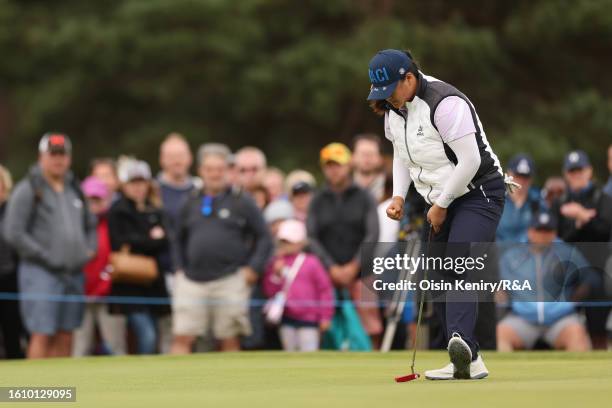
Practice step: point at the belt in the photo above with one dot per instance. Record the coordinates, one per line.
(474, 184)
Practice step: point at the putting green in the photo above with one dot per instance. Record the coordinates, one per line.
(274, 379)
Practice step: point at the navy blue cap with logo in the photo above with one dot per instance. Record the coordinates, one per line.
(522, 164)
(386, 68)
(577, 159)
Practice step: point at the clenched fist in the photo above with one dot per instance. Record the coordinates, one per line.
(395, 210)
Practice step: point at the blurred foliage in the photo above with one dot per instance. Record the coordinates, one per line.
(289, 76)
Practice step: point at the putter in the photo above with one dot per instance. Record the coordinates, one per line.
(414, 376)
(396, 308)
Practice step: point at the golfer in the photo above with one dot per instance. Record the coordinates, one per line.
(440, 146)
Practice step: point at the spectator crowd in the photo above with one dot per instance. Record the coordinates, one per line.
(241, 256)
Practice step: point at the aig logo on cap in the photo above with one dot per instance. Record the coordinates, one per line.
(378, 75)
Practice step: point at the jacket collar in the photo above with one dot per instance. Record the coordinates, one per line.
(351, 188)
(126, 205)
(585, 192)
(423, 83)
(188, 185)
(229, 190)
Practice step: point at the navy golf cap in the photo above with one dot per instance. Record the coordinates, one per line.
(543, 220)
(522, 164)
(386, 68)
(576, 159)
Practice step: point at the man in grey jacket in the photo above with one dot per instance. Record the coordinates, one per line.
(47, 222)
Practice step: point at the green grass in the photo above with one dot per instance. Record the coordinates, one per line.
(318, 380)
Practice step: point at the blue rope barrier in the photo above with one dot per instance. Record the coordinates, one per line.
(141, 300)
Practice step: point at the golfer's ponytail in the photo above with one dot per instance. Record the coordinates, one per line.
(414, 67)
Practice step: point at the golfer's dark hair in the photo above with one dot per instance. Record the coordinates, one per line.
(370, 137)
(414, 67)
(380, 107)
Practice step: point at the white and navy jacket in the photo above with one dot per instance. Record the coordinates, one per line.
(417, 142)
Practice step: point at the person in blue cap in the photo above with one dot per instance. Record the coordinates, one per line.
(584, 211)
(543, 262)
(585, 215)
(439, 144)
(522, 203)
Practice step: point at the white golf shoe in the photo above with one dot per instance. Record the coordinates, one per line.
(478, 370)
(444, 373)
(461, 356)
(461, 366)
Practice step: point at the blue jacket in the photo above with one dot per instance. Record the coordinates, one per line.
(515, 220)
(553, 275)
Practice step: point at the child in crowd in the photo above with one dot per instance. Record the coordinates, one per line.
(309, 297)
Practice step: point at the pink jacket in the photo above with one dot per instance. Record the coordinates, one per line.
(311, 296)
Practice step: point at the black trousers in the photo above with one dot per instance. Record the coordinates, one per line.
(471, 218)
(10, 319)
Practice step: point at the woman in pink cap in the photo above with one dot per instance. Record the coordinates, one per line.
(97, 280)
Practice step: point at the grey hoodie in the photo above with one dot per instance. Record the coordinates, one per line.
(50, 231)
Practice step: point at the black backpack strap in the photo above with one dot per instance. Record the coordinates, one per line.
(37, 190)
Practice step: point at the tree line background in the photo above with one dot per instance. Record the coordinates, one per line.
(290, 76)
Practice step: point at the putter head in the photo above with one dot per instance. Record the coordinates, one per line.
(406, 378)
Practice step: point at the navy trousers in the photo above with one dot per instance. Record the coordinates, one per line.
(471, 218)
